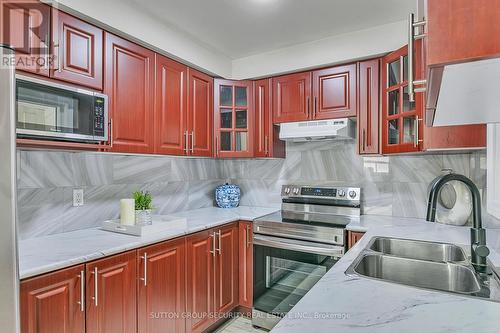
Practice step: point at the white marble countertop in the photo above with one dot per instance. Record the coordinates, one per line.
(49, 253)
(340, 303)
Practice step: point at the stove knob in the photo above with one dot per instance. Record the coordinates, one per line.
(287, 190)
(341, 193)
(296, 191)
(352, 194)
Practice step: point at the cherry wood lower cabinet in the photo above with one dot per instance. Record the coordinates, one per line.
(200, 293)
(226, 269)
(53, 302)
(111, 294)
(245, 243)
(161, 287)
(353, 237)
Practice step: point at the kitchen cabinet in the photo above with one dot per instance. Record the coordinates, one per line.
(403, 122)
(171, 132)
(129, 83)
(54, 302)
(26, 26)
(245, 233)
(334, 92)
(78, 50)
(353, 237)
(292, 97)
(368, 107)
(226, 269)
(266, 142)
(111, 294)
(200, 113)
(162, 287)
(234, 118)
(200, 291)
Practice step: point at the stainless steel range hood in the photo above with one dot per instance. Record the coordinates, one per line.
(316, 130)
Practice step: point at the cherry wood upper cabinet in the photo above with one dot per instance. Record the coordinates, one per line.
(266, 142)
(200, 254)
(200, 113)
(292, 97)
(26, 26)
(234, 118)
(368, 106)
(402, 120)
(78, 51)
(162, 287)
(462, 30)
(53, 302)
(245, 234)
(226, 269)
(171, 134)
(334, 92)
(129, 83)
(111, 294)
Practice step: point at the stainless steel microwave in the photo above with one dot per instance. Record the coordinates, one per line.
(60, 112)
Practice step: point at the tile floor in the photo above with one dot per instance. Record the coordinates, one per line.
(238, 325)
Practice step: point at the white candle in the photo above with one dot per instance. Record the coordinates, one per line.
(127, 211)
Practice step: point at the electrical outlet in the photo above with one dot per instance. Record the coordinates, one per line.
(77, 197)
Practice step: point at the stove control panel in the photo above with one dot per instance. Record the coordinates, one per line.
(340, 193)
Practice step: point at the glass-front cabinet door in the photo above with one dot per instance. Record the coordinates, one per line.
(402, 123)
(234, 118)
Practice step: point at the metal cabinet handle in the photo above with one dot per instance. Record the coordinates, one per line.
(364, 139)
(96, 286)
(417, 128)
(186, 142)
(145, 263)
(213, 244)
(248, 235)
(411, 38)
(216, 146)
(314, 106)
(82, 291)
(307, 106)
(192, 142)
(266, 146)
(219, 249)
(47, 54)
(110, 134)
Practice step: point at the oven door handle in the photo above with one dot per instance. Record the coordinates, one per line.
(300, 246)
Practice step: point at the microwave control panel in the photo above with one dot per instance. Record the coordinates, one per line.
(99, 119)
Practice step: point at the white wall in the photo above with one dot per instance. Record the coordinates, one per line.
(123, 17)
(333, 50)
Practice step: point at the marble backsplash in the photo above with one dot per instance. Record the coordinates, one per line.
(394, 185)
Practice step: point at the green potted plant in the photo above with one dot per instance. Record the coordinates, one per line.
(143, 208)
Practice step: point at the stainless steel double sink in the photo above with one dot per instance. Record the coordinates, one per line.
(430, 265)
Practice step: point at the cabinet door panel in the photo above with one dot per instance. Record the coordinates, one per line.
(226, 269)
(163, 294)
(292, 97)
(171, 107)
(79, 51)
(245, 234)
(26, 26)
(335, 92)
(200, 111)
(115, 308)
(51, 303)
(368, 108)
(200, 281)
(129, 83)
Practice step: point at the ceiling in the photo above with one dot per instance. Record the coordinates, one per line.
(240, 28)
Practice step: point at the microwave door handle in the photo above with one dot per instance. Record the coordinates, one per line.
(274, 242)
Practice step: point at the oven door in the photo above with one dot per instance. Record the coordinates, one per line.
(284, 271)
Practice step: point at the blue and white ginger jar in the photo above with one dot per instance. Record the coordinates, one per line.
(227, 196)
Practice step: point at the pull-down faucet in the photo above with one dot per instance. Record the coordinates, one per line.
(479, 250)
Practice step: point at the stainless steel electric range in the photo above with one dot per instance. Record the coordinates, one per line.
(295, 247)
